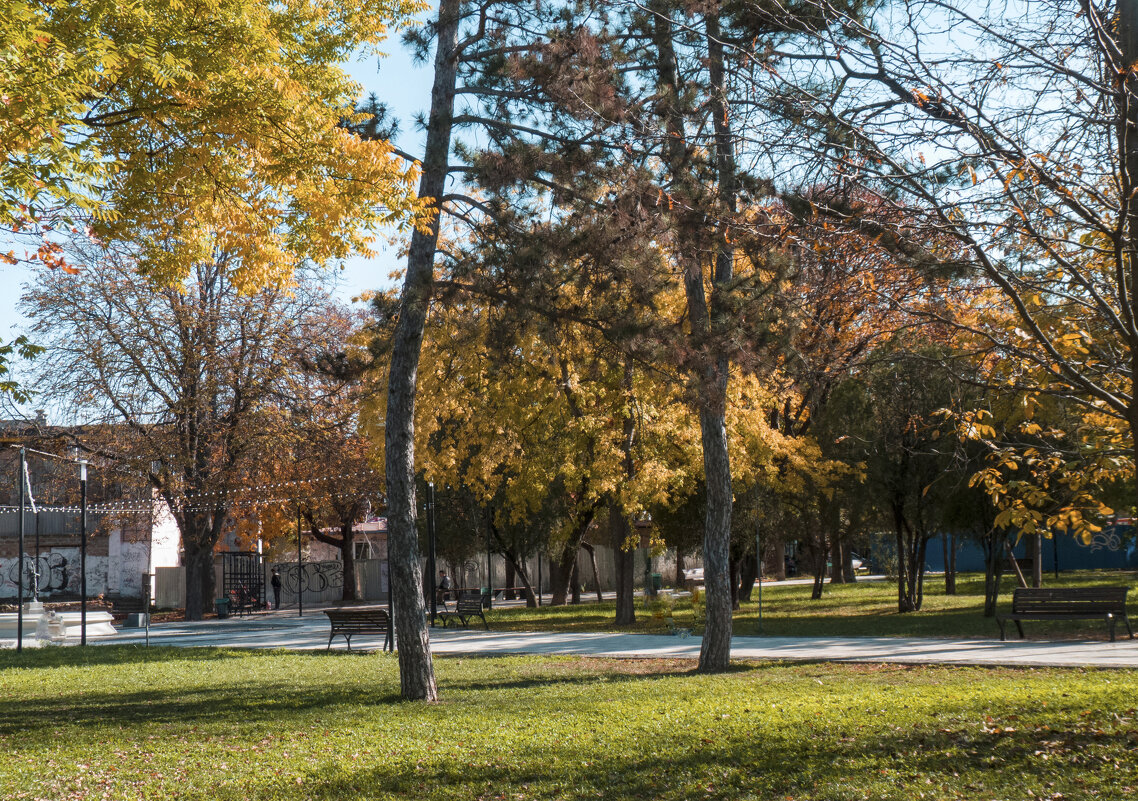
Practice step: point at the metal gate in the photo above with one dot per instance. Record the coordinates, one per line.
(243, 580)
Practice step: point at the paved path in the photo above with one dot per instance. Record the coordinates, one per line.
(285, 630)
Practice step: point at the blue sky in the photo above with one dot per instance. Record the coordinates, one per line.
(397, 81)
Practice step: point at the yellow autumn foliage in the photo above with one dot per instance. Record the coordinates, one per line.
(187, 128)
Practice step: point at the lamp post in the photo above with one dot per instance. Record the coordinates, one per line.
(20, 559)
(299, 569)
(36, 560)
(431, 567)
(759, 561)
(82, 551)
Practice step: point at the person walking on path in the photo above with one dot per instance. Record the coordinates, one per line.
(276, 583)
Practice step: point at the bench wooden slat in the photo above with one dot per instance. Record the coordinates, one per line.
(1076, 603)
(465, 610)
(349, 622)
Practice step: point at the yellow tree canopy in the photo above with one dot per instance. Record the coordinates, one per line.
(544, 412)
(192, 126)
(1058, 458)
(513, 414)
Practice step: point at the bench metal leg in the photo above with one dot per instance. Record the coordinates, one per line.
(330, 636)
(1003, 632)
(1019, 627)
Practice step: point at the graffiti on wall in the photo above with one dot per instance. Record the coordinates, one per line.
(53, 571)
(312, 576)
(1106, 540)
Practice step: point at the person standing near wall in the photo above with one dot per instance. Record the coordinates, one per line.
(275, 581)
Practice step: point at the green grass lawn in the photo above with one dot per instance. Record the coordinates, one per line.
(862, 609)
(129, 723)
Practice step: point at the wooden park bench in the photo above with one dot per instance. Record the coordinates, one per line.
(466, 609)
(497, 592)
(1075, 603)
(352, 621)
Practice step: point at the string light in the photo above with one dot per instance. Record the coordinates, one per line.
(192, 502)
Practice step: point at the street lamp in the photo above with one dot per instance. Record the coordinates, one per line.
(82, 548)
(433, 579)
(299, 568)
(20, 559)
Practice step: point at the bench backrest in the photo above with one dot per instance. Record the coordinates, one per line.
(358, 618)
(469, 606)
(1073, 599)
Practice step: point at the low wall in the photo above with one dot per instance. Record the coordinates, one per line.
(320, 582)
(472, 572)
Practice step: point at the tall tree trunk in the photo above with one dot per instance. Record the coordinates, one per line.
(416, 670)
(849, 575)
(345, 543)
(919, 569)
(515, 564)
(948, 542)
(904, 603)
(715, 653)
(623, 565)
(558, 581)
(592, 552)
(779, 560)
(734, 570)
(817, 564)
(952, 562)
(1127, 133)
(511, 579)
(1015, 564)
(575, 581)
(709, 371)
(993, 569)
(199, 580)
(837, 576)
(348, 557)
(200, 533)
(618, 522)
(748, 572)
(1036, 542)
(562, 567)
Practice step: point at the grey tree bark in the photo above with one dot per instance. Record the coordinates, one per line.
(709, 374)
(625, 601)
(618, 522)
(1036, 543)
(592, 552)
(715, 652)
(416, 670)
(778, 569)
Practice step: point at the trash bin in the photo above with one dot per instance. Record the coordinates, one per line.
(222, 605)
(656, 582)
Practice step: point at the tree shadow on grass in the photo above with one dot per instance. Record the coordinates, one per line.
(231, 703)
(884, 764)
(243, 701)
(78, 656)
(585, 670)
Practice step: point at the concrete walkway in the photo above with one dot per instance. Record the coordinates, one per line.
(285, 630)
